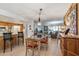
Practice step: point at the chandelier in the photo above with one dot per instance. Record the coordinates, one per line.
(39, 22)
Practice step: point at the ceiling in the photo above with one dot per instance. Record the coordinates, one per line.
(29, 11)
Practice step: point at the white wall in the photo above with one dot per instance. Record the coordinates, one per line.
(29, 32)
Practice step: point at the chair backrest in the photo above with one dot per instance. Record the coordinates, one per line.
(45, 38)
(7, 36)
(20, 34)
(30, 41)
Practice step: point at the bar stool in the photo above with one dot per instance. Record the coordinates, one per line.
(7, 37)
(20, 37)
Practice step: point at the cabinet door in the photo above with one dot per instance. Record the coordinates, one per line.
(1, 42)
(14, 41)
(71, 45)
(77, 46)
(63, 46)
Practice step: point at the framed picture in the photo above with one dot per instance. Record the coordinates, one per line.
(45, 28)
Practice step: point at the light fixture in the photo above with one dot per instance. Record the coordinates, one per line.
(39, 23)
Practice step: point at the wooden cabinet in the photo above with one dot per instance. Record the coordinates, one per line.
(69, 46)
(14, 42)
(1, 42)
(63, 46)
(9, 24)
(77, 46)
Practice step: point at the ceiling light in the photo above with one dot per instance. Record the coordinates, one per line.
(39, 23)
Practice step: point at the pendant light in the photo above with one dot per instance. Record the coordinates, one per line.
(39, 23)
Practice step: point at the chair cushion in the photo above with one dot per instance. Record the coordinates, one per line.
(32, 44)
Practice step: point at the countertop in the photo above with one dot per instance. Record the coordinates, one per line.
(70, 36)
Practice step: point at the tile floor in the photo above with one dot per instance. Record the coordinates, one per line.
(53, 50)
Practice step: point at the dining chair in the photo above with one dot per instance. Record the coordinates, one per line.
(44, 42)
(31, 44)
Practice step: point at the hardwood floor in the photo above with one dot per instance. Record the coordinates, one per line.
(53, 50)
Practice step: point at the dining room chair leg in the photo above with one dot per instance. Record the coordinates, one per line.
(23, 41)
(18, 41)
(26, 51)
(11, 45)
(4, 47)
(47, 47)
(38, 52)
(33, 52)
